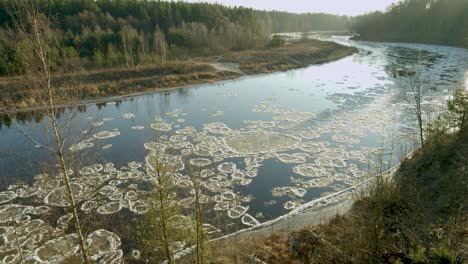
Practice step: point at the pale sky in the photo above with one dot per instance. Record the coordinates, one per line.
(339, 7)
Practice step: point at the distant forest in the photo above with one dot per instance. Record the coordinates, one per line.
(442, 22)
(107, 33)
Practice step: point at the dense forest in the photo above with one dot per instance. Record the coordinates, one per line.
(442, 22)
(107, 33)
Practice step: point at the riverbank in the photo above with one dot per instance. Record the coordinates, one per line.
(21, 93)
(418, 217)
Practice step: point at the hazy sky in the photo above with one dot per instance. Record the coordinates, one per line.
(341, 7)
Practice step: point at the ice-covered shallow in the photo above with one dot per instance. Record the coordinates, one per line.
(284, 140)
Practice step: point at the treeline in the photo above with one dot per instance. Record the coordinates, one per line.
(106, 33)
(442, 22)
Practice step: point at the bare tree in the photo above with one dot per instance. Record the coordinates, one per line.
(417, 99)
(198, 216)
(160, 230)
(458, 107)
(34, 28)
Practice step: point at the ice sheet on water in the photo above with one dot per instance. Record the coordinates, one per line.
(128, 116)
(101, 243)
(293, 158)
(200, 162)
(261, 142)
(289, 205)
(249, 220)
(210, 229)
(106, 134)
(58, 196)
(109, 208)
(81, 146)
(310, 170)
(164, 127)
(227, 167)
(237, 211)
(56, 250)
(7, 196)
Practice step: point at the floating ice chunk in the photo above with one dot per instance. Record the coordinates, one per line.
(331, 163)
(101, 243)
(108, 190)
(293, 158)
(209, 229)
(107, 119)
(217, 128)
(261, 142)
(138, 127)
(200, 162)
(64, 221)
(7, 196)
(109, 208)
(205, 173)
(217, 113)
(291, 205)
(358, 156)
(178, 246)
(180, 120)
(155, 146)
(245, 181)
(309, 134)
(115, 196)
(128, 116)
(249, 220)
(310, 170)
(88, 206)
(139, 207)
(320, 182)
(186, 202)
(9, 212)
(107, 146)
(181, 221)
(106, 134)
(96, 124)
(221, 206)
(135, 165)
(299, 192)
(313, 147)
(227, 167)
(251, 173)
(81, 145)
(228, 196)
(165, 127)
(237, 175)
(136, 254)
(59, 196)
(41, 210)
(57, 250)
(237, 211)
(11, 259)
(280, 191)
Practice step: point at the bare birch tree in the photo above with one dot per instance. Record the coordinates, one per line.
(34, 28)
(416, 102)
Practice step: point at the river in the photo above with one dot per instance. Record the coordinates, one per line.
(263, 144)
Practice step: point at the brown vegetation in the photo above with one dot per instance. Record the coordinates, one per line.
(99, 84)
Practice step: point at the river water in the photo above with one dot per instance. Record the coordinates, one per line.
(262, 144)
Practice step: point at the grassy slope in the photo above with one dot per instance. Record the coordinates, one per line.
(19, 93)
